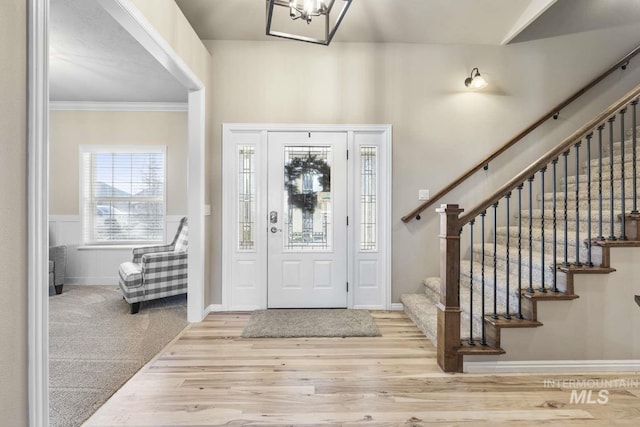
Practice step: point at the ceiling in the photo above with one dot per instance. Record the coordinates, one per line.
(384, 21)
(576, 16)
(92, 58)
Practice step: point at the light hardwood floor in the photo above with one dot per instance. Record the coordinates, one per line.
(211, 376)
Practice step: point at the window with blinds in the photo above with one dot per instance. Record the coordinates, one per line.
(122, 194)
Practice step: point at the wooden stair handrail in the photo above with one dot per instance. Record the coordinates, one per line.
(484, 162)
(543, 161)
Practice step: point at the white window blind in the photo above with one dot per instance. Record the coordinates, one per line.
(122, 194)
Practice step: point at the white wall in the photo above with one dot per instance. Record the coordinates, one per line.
(439, 127)
(13, 213)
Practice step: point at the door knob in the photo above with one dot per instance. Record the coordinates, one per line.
(275, 230)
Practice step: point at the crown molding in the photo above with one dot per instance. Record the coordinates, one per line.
(117, 106)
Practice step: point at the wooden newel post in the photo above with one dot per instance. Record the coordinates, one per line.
(449, 306)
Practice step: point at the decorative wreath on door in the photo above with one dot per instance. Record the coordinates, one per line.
(297, 168)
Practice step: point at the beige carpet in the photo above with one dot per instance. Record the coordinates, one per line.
(95, 346)
(299, 323)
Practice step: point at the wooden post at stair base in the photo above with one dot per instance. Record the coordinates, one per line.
(449, 307)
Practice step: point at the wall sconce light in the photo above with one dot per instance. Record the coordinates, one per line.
(475, 81)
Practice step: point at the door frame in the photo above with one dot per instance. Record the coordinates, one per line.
(125, 13)
(234, 134)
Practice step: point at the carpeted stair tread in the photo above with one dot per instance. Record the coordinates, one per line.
(582, 196)
(536, 234)
(617, 158)
(465, 303)
(423, 313)
(501, 252)
(571, 215)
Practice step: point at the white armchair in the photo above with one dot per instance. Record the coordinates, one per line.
(156, 271)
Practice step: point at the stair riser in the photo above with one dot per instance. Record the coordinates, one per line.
(477, 292)
(617, 159)
(606, 189)
(465, 309)
(488, 293)
(548, 248)
(571, 227)
(582, 179)
(513, 268)
(583, 204)
(595, 175)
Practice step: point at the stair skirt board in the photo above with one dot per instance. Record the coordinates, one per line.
(550, 366)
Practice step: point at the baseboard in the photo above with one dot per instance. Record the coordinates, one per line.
(212, 308)
(552, 366)
(397, 306)
(368, 307)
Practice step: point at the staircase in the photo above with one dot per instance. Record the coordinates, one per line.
(530, 241)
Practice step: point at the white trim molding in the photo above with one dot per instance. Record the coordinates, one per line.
(118, 106)
(397, 306)
(136, 24)
(213, 308)
(38, 212)
(551, 366)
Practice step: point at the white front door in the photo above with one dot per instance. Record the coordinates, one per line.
(307, 225)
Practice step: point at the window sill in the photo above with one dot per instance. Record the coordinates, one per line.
(111, 247)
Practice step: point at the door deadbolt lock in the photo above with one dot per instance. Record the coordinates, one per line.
(273, 217)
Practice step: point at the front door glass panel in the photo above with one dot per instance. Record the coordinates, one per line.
(307, 200)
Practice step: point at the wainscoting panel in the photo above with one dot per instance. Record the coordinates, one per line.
(94, 265)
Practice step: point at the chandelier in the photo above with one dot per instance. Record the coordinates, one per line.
(323, 17)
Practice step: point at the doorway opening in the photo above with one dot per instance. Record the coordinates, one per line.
(127, 16)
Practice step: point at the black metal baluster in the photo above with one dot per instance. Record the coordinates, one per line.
(470, 341)
(495, 261)
(623, 234)
(600, 235)
(635, 174)
(589, 262)
(565, 262)
(542, 171)
(530, 289)
(520, 251)
(611, 195)
(577, 263)
(459, 260)
(483, 339)
(507, 197)
(554, 164)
